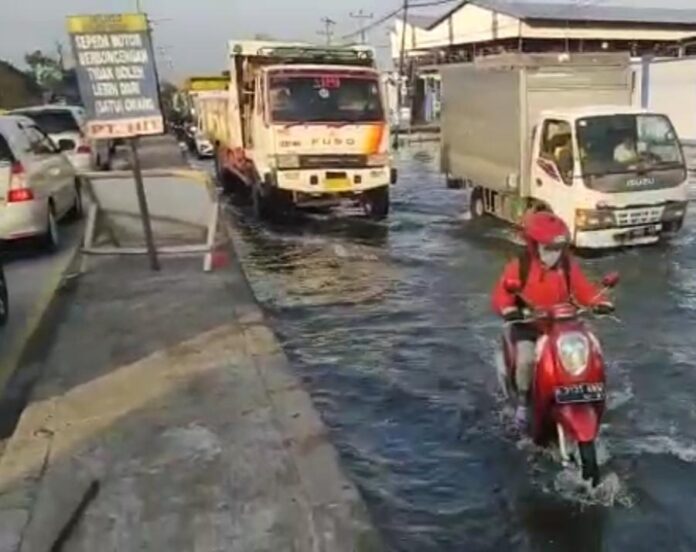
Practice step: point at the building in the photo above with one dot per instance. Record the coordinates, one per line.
(475, 28)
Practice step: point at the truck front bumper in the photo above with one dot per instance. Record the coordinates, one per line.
(318, 182)
(635, 226)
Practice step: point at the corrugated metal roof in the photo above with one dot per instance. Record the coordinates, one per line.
(582, 10)
(421, 21)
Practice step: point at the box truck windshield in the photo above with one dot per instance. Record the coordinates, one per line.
(325, 97)
(629, 146)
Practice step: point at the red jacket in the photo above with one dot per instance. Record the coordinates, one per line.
(546, 287)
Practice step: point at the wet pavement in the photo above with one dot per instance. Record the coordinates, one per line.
(390, 326)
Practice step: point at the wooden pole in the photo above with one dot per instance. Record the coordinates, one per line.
(142, 202)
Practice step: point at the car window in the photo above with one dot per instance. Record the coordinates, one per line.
(19, 141)
(557, 146)
(5, 151)
(53, 121)
(39, 142)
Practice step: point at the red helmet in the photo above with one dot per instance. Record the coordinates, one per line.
(544, 228)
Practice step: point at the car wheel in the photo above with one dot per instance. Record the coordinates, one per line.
(4, 299)
(77, 211)
(52, 236)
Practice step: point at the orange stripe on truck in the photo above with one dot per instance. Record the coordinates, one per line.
(373, 142)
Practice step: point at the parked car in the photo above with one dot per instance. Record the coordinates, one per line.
(38, 184)
(4, 299)
(66, 127)
(202, 146)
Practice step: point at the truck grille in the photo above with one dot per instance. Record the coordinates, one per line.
(333, 161)
(636, 217)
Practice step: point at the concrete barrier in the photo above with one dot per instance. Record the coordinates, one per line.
(184, 211)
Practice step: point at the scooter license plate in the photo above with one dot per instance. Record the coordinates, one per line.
(581, 393)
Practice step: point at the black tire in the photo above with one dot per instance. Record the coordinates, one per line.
(77, 211)
(588, 462)
(377, 203)
(51, 239)
(4, 299)
(454, 183)
(259, 204)
(477, 207)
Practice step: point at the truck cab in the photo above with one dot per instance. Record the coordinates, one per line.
(615, 175)
(312, 128)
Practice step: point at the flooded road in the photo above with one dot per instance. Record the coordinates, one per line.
(391, 328)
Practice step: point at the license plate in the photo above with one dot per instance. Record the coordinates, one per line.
(337, 184)
(642, 232)
(581, 393)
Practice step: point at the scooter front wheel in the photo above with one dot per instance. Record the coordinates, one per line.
(588, 461)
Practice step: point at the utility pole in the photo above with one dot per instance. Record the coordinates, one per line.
(362, 16)
(401, 100)
(402, 56)
(328, 29)
(139, 6)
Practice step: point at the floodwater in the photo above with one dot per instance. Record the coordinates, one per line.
(390, 327)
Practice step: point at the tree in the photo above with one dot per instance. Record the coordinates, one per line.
(17, 89)
(168, 94)
(47, 71)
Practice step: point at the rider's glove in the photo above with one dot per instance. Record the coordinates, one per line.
(512, 315)
(603, 309)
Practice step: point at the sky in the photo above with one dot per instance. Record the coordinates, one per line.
(192, 35)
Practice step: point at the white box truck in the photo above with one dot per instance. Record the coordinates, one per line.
(557, 132)
(306, 126)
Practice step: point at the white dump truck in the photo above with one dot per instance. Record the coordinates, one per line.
(557, 132)
(305, 126)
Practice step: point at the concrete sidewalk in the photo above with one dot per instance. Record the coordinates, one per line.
(170, 393)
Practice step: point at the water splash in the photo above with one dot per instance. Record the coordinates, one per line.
(610, 492)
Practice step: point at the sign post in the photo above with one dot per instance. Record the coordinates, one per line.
(117, 76)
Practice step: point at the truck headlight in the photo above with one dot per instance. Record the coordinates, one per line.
(574, 352)
(594, 219)
(378, 160)
(288, 161)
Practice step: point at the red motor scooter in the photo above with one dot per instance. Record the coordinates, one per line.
(568, 390)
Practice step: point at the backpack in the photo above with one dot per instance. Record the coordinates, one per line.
(525, 261)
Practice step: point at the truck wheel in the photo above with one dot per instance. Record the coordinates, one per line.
(258, 203)
(476, 204)
(377, 203)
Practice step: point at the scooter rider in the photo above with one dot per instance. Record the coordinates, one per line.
(549, 275)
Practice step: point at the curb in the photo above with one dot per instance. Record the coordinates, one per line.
(40, 322)
(327, 487)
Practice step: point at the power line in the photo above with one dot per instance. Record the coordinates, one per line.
(328, 29)
(386, 17)
(362, 16)
(377, 23)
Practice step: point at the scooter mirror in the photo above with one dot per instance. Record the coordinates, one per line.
(611, 280)
(512, 285)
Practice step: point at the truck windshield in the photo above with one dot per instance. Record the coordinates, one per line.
(618, 144)
(331, 97)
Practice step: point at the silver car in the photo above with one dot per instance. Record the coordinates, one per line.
(65, 124)
(38, 184)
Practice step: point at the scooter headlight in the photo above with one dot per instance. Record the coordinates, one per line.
(574, 350)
